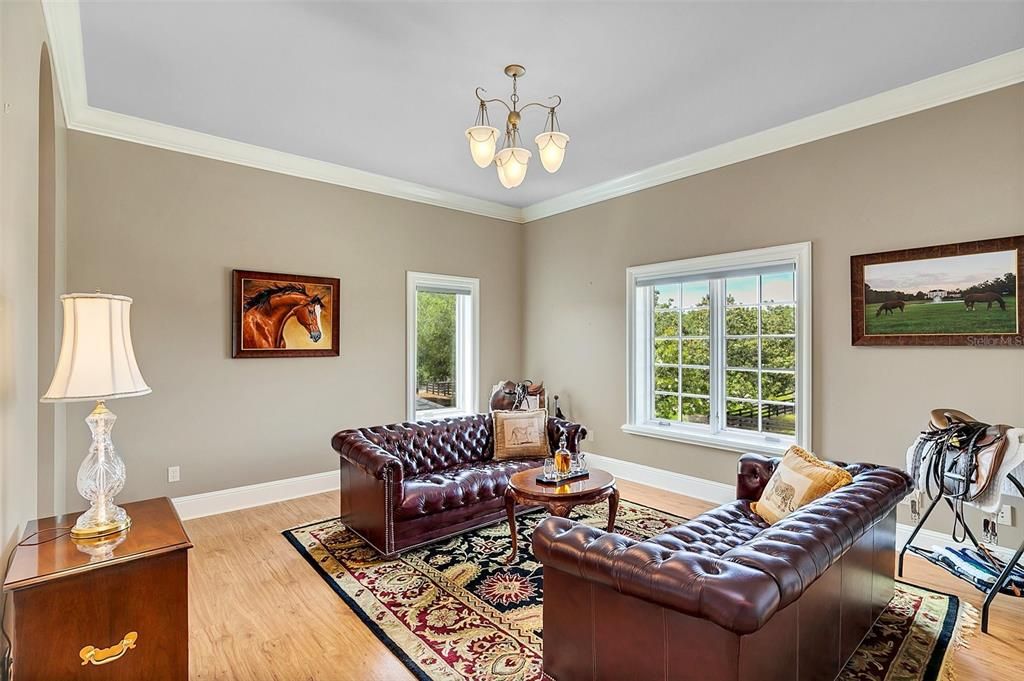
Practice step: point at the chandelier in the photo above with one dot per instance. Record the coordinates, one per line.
(512, 159)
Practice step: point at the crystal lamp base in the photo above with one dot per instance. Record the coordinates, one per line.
(97, 523)
(100, 478)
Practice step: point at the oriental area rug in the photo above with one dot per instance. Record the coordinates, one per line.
(456, 611)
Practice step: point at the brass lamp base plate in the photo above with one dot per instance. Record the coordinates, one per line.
(515, 71)
(101, 530)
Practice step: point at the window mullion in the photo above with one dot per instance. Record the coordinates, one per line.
(760, 395)
(717, 343)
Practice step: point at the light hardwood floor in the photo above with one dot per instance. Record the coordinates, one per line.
(260, 613)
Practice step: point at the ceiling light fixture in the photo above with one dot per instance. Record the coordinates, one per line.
(513, 159)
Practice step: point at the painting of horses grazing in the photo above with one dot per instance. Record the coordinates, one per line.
(958, 294)
(284, 315)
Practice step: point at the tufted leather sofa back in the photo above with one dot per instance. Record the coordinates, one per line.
(429, 446)
(728, 565)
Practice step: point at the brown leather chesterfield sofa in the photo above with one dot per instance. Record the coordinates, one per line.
(724, 596)
(407, 484)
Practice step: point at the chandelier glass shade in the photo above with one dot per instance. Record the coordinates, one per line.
(512, 160)
(512, 163)
(552, 149)
(483, 139)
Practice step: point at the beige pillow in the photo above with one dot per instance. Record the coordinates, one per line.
(799, 479)
(521, 434)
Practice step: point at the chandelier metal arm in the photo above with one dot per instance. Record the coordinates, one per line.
(546, 106)
(491, 101)
(514, 106)
(511, 162)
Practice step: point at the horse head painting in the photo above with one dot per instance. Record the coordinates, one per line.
(266, 313)
(284, 315)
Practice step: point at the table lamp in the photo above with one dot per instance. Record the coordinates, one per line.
(97, 362)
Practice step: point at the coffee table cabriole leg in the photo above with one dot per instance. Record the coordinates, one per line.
(510, 509)
(613, 508)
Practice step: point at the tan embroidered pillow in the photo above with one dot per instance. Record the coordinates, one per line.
(521, 434)
(799, 479)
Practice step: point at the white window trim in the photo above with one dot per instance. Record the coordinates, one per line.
(468, 344)
(638, 332)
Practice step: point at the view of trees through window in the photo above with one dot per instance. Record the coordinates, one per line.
(759, 362)
(436, 347)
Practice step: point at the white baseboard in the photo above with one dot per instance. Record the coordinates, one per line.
(720, 493)
(699, 488)
(237, 498)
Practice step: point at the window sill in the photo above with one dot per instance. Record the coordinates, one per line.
(435, 414)
(727, 442)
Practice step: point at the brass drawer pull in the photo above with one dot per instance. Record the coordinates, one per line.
(115, 652)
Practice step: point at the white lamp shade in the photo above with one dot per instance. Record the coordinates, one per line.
(552, 149)
(512, 163)
(482, 140)
(97, 361)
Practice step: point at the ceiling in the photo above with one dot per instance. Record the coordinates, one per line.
(387, 87)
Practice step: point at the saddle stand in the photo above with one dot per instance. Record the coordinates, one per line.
(1004, 577)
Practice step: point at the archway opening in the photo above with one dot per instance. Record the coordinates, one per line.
(49, 475)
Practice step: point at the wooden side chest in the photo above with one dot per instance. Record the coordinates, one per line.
(101, 611)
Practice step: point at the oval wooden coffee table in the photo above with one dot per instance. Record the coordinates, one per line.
(523, 488)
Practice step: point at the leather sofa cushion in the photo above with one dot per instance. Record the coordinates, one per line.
(458, 486)
(715, 532)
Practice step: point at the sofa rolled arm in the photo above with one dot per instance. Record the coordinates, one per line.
(375, 461)
(735, 597)
(755, 470)
(574, 433)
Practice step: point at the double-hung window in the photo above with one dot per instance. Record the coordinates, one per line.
(719, 349)
(442, 319)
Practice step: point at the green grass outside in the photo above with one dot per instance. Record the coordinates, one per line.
(951, 317)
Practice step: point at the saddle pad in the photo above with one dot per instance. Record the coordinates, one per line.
(990, 500)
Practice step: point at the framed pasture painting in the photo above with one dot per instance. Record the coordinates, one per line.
(957, 294)
(284, 315)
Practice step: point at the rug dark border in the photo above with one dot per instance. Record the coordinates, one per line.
(932, 671)
(375, 628)
(935, 662)
(355, 607)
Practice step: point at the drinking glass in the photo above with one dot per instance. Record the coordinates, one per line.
(549, 468)
(575, 464)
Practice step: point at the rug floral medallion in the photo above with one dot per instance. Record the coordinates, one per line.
(458, 610)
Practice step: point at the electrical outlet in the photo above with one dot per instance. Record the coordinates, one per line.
(173, 473)
(590, 437)
(1005, 516)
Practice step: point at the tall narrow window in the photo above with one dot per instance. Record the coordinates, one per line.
(719, 349)
(443, 348)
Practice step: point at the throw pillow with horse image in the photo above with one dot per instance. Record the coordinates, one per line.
(521, 434)
(282, 315)
(942, 295)
(799, 479)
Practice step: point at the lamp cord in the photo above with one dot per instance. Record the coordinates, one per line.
(7, 659)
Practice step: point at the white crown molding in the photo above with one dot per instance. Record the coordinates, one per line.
(153, 134)
(64, 27)
(968, 81)
(67, 56)
(237, 498)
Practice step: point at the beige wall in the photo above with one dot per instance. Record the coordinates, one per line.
(949, 174)
(167, 229)
(22, 36)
